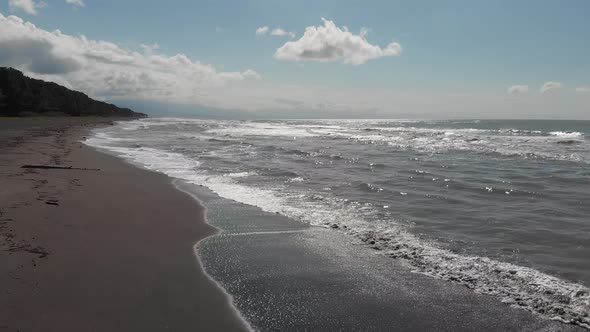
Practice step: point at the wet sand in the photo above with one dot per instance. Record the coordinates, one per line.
(97, 250)
(288, 276)
(111, 248)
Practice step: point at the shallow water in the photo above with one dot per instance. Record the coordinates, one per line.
(500, 206)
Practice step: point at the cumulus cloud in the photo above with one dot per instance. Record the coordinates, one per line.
(332, 43)
(262, 30)
(78, 3)
(518, 89)
(36, 56)
(281, 32)
(548, 86)
(583, 89)
(28, 6)
(104, 69)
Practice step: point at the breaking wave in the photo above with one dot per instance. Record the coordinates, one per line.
(518, 286)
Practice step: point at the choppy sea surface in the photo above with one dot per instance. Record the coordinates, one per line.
(502, 207)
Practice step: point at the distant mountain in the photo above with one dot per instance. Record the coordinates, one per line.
(21, 95)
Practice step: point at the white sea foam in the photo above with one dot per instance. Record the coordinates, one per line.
(519, 286)
(263, 129)
(566, 134)
(240, 174)
(531, 146)
(132, 125)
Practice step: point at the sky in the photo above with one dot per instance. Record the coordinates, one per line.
(311, 59)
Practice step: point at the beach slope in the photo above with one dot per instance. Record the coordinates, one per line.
(107, 247)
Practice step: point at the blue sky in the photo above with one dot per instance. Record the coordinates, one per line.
(450, 48)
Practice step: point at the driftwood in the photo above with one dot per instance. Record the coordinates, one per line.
(38, 250)
(60, 167)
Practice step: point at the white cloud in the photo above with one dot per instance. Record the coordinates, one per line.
(28, 6)
(150, 48)
(332, 43)
(262, 30)
(218, 29)
(583, 89)
(548, 86)
(104, 69)
(79, 3)
(518, 89)
(281, 32)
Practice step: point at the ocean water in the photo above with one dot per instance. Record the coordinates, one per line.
(502, 207)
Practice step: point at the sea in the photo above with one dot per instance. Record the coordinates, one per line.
(500, 206)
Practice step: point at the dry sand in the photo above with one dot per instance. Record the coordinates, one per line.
(97, 250)
(112, 250)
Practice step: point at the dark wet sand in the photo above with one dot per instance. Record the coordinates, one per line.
(286, 276)
(112, 250)
(107, 250)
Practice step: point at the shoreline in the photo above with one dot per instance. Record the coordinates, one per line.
(68, 263)
(229, 297)
(284, 275)
(275, 272)
(187, 167)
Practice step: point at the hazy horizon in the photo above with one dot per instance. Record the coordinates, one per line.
(162, 110)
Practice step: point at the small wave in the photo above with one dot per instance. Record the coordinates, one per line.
(519, 286)
(516, 285)
(295, 152)
(220, 140)
(569, 142)
(377, 165)
(131, 125)
(509, 191)
(505, 142)
(367, 187)
(511, 131)
(276, 172)
(566, 134)
(263, 129)
(239, 174)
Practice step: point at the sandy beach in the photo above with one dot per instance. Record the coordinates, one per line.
(294, 166)
(107, 248)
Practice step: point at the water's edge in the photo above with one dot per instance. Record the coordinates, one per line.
(242, 267)
(174, 183)
(518, 286)
(229, 297)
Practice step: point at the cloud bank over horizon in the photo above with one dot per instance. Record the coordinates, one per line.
(108, 71)
(104, 69)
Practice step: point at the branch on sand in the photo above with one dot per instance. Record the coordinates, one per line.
(60, 167)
